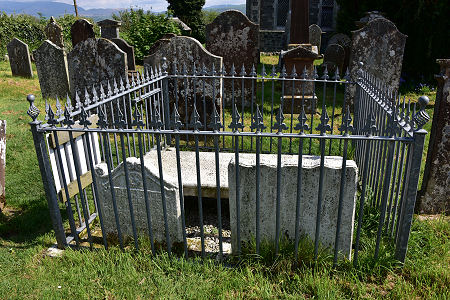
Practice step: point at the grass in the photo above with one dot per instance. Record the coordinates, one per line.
(26, 233)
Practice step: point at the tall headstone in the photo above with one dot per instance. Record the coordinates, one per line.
(2, 163)
(334, 58)
(180, 51)
(93, 62)
(234, 37)
(52, 69)
(436, 179)
(81, 30)
(129, 50)
(315, 36)
(19, 58)
(346, 43)
(109, 29)
(379, 46)
(54, 34)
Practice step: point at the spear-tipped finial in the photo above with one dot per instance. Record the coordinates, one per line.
(51, 120)
(279, 124)
(236, 120)
(215, 124)
(346, 126)
(68, 103)
(370, 128)
(84, 118)
(323, 127)
(195, 120)
(120, 121)
(101, 118)
(325, 73)
(176, 120)
(137, 117)
(302, 118)
(68, 121)
(258, 121)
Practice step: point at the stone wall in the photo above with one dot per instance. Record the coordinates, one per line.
(272, 40)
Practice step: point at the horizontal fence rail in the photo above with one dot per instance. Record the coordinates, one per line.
(109, 160)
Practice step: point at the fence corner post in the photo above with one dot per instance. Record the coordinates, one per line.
(46, 174)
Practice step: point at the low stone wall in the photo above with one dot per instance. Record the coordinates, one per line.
(272, 40)
(308, 206)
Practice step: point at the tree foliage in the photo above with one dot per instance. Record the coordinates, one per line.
(142, 29)
(426, 22)
(190, 12)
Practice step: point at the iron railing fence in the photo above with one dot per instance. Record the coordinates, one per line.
(138, 120)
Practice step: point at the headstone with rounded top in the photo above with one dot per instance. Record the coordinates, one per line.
(346, 43)
(19, 58)
(109, 29)
(129, 50)
(334, 58)
(53, 32)
(315, 36)
(51, 65)
(81, 30)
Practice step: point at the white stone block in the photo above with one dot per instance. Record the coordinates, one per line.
(309, 198)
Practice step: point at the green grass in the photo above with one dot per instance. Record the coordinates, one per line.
(26, 232)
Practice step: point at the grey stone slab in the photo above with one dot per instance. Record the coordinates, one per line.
(81, 30)
(380, 47)
(109, 29)
(309, 197)
(54, 33)
(346, 43)
(138, 200)
(315, 36)
(93, 62)
(235, 38)
(128, 49)
(334, 57)
(19, 58)
(182, 50)
(51, 65)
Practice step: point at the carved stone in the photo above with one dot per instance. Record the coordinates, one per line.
(315, 36)
(54, 34)
(81, 30)
(334, 57)
(19, 58)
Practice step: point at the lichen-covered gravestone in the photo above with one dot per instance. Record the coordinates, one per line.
(81, 30)
(19, 58)
(288, 199)
(138, 200)
(51, 65)
(334, 57)
(54, 34)
(379, 46)
(181, 50)
(235, 38)
(315, 36)
(346, 43)
(93, 62)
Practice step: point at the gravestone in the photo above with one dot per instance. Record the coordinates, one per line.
(51, 65)
(19, 58)
(54, 34)
(436, 179)
(315, 36)
(182, 50)
(138, 199)
(81, 30)
(288, 199)
(235, 38)
(334, 57)
(346, 43)
(2, 163)
(379, 46)
(109, 29)
(129, 50)
(93, 62)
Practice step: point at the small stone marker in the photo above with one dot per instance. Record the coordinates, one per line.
(129, 50)
(51, 65)
(2, 163)
(138, 200)
(81, 30)
(315, 36)
(186, 50)
(19, 58)
(334, 57)
(308, 204)
(109, 29)
(54, 34)
(346, 43)
(379, 46)
(93, 62)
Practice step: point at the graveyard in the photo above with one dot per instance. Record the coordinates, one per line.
(131, 156)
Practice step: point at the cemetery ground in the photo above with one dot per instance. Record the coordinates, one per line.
(26, 233)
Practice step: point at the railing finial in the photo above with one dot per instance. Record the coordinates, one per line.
(421, 117)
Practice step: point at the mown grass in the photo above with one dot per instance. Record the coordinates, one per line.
(26, 232)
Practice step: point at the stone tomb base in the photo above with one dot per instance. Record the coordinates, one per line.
(309, 197)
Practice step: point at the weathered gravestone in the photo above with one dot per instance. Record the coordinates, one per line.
(288, 199)
(54, 34)
(185, 51)
(93, 62)
(346, 43)
(436, 179)
(19, 58)
(2, 163)
(379, 46)
(138, 200)
(234, 37)
(51, 65)
(81, 30)
(315, 36)
(334, 58)
(129, 50)
(109, 29)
